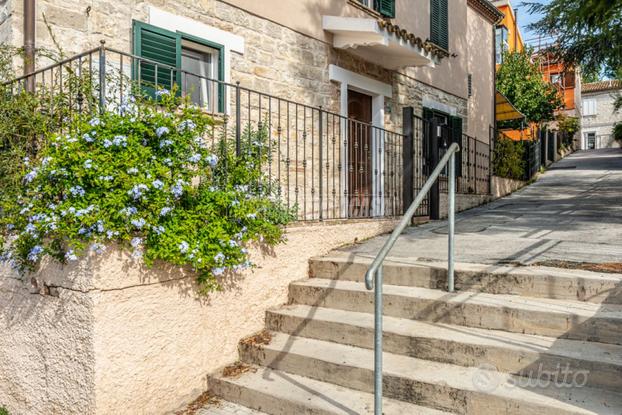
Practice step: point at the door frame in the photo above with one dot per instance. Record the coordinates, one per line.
(378, 91)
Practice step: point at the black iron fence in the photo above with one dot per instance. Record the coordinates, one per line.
(325, 165)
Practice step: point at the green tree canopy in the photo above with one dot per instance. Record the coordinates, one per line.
(587, 32)
(521, 81)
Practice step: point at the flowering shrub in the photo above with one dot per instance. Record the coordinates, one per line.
(148, 177)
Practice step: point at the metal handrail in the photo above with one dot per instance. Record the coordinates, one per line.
(375, 269)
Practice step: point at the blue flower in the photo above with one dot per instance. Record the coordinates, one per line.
(128, 211)
(161, 92)
(71, 256)
(165, 210)
(186, 125)
(168, 162)
(87, 137)
(183, 247)
(137, 191)
(77, 191)
(218, 271)
(233, 243)
(31, 175)
(252, 216)
(98, 248)
(106, 178)
(157, 184)
(138, 223)
(159, 230)
(132, 170)
(119, 140)
(94, 122)
(195, 158)
(111, 234)
(212, 160)
(107, 143)
(88, 164)
(100, 226)
(178, 189)
(165, 143)
(160, 131)
(136, 242)
(31, 229)
(219, 258)
(34, 253)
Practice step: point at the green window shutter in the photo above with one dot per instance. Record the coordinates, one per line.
(386, 8)
(164, 48)
(456, 137)
(439, 27)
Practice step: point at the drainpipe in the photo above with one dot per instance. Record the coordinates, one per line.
(29, 41)
(515, 30)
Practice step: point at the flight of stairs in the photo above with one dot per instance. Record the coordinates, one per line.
(511, 340)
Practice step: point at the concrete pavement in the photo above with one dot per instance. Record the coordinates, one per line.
(573, 212)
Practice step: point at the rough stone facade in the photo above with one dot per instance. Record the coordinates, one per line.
(277, 59)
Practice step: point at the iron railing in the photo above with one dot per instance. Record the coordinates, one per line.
(324, 165)
(374, 275)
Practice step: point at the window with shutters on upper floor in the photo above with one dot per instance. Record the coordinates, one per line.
(194, 65)
(439, 23)
(385, 7)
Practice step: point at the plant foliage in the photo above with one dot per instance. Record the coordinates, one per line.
(509, 159)
(586, 32)
(153, 177)
(522, 82)
(617, 132)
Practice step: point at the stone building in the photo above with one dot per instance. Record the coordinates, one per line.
(360, 60)
(598, 116)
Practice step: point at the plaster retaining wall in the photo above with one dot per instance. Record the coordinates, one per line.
(107, 336)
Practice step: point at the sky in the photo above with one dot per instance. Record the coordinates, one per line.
(524, 19)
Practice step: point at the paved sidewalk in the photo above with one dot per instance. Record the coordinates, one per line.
(572, 213)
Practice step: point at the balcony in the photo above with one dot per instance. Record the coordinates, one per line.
(381, 42)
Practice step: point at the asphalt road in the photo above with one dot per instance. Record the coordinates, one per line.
(573, 212)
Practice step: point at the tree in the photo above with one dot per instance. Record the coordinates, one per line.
(586, 32)
(522, 82)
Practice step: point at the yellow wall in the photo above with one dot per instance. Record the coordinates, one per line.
(509, 21)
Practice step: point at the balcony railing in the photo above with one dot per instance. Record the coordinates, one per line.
(325, 165)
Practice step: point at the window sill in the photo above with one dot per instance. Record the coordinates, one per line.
(366, 9)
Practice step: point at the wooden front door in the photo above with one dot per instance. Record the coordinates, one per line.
(359, 155)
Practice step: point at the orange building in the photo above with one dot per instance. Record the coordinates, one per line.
(565, 80)
(508, 35)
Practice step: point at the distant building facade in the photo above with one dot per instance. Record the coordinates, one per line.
(598, 116)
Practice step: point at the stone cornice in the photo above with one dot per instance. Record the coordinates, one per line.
(486, 9)
(414, 40)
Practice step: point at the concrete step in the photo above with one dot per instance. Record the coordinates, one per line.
(226, 408)
(541, 282)
(553, 318)
(431, 384)
(515, 353)
(280, 393)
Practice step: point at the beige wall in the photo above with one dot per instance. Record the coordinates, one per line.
(480, 64)
(112, 337)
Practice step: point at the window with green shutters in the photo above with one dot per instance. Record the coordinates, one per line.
(176, 58)
(386, 8)
(439, 19)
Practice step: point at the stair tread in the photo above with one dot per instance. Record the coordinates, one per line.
(565, 307)
(577, 349)
(496, 269)
(319, 395)
(581, 400)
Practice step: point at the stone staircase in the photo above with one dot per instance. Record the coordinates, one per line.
(511, 340)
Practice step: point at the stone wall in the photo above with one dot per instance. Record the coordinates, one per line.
(109, 336)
